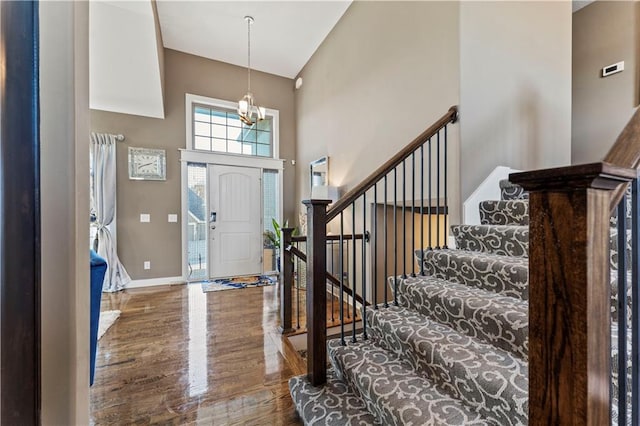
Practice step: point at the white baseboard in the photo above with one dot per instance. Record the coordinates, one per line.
(155, 282)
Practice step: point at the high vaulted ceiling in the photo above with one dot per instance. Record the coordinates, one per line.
(283, 37)
(124, 67)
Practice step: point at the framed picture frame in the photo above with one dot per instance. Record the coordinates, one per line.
(147, 164)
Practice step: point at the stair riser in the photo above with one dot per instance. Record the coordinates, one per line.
(507, 276)
(494, 383)
(512, 212)
(510, 191)
(500, 240)
(499, 321)
(613, 249)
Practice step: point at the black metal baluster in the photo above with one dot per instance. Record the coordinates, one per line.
(386, 246)
(395, 236)
(353, 265)
(446, 202)
(438, 212)
(348, 312)
(422, 210)
(333, 274)
(430, 197)
(413, 211)
(622, 311)
(375, 246)
(635, 306)
(404, 220)
(341, 254)
(364, 266)
(297, 275)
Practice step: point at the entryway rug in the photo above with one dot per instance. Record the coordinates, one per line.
(107, 319)
(236, 283)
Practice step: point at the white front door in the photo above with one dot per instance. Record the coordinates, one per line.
(235, 229)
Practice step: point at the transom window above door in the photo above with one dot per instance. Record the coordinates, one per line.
(216, 127)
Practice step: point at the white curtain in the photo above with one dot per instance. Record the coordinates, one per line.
(103, 148)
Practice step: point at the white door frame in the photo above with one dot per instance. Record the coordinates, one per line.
(190, 156)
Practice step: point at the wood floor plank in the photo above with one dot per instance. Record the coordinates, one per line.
(180, 356)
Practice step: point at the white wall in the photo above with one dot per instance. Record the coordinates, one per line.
(64, 106)
(126, 75)
(515, 87)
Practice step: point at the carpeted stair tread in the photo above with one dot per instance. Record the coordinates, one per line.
(511, 191)
(504, 212)
(506, 240)
(493, 381)
(330, 404)
(613, 249)
(614, 215)
(495, 319)
(615, 374)
(507, 275)
(393, 390)
(614, 296)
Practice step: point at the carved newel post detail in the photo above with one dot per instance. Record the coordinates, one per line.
(286, 281)
(569, 292)
(316, 290)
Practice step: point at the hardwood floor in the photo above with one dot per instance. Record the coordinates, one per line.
(180, 356)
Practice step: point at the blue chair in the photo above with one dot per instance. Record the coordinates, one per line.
(98, 270)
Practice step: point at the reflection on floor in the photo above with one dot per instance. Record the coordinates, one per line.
(180, 356)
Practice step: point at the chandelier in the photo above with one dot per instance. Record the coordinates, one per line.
(246, 106)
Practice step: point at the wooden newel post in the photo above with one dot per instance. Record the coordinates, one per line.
(316, 291)
(569, 292)
(286, 282)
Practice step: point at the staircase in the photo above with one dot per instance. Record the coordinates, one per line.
(454, 351)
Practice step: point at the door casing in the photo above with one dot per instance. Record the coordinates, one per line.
(204, 157)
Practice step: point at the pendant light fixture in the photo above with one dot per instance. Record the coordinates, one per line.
(246, 107)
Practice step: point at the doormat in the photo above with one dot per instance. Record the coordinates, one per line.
(236, 283)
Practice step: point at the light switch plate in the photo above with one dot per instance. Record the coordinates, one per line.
(173, 218)
(145, 217)
(147, 264)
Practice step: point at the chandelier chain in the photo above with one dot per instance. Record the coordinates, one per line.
(249, 53)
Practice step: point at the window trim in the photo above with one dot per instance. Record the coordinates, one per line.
(191, 99)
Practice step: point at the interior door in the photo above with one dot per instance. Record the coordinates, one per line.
(235, 229)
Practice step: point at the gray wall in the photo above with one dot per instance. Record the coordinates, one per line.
(515, 87)
(385, 73)
(160, 241)
(605, 32)
(64, 125)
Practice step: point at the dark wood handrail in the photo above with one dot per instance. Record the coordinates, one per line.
(625, 152)
(345, 201)
(333, 280)
(303, 238)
